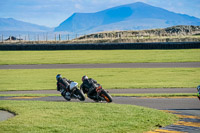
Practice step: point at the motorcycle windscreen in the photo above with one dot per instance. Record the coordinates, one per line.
(73, 84)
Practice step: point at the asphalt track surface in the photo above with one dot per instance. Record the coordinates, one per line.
(185, 106)
(115, 65)
(182, 104)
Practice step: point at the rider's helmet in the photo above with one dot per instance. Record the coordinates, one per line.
(58, 76)
(198, 89)
(84, 77)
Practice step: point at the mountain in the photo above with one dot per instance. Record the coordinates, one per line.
(10, 24)
(136, 16)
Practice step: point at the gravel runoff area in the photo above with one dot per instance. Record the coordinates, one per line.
(115, 65)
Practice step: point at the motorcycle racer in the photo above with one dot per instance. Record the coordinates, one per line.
(63, 86)
(88, 87)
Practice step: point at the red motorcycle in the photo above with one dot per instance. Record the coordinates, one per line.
(102, 94)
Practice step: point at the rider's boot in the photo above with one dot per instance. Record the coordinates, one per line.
(66, 95)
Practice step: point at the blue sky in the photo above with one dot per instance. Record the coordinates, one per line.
(52, 12)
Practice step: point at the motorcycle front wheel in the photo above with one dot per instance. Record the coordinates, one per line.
(106, 96)
(80, 95)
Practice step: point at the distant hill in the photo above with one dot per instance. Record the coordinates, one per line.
(10, 24)
(136, 16)
(180, 30)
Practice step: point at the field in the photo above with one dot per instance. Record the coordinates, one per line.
(110, 78)
(98, 56)
(38, 116)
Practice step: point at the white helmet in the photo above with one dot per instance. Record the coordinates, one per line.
(84, 77)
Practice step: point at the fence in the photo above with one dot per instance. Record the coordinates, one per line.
(39, 37)
(110, 37)
(67, 37)
(112, 46)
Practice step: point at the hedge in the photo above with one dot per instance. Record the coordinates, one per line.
(107, 46)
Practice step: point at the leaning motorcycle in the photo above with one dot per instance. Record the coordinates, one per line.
(75, 93)
(102, 95)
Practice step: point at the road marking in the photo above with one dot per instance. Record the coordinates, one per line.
(164, 131)
(170, 111)
(22, 97)
(191, 124)
(183, 123)
(189, 116)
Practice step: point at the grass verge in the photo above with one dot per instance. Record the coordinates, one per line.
(98, 56)
(39, 116)
(113, 78)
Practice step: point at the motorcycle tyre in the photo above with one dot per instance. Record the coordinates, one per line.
(106, 96)
(79, 93)
(67, 99)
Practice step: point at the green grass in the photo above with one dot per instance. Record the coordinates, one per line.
(110, 78)
(98, 56)
(62, 117)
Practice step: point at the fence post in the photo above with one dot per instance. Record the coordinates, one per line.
(46, 36)
(38, 38)
(59, 37)
(43, 36)
(2, 38)
(28, 37)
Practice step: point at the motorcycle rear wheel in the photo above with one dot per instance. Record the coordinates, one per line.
(106, 96)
